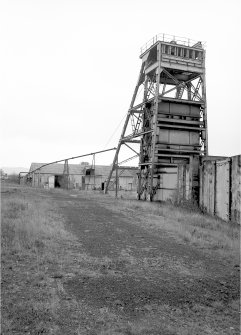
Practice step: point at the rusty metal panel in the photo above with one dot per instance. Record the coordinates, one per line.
(208, 187)
(188, 181)
(164, 107)
(183, 185)
(182, 109)
(168, 184)
(177, 136)
(164, 136)
(169, 178)
(194, 138)
(195, 111)
(168, 107)
(222, 189)
(236, 189)
(175, 184)
(180, 183)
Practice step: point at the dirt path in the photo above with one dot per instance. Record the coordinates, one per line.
(130, 279)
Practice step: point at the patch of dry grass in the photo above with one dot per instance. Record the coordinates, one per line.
(38, 256)
(165, 319)
(194, 227)
(187, 224)
(31, 258)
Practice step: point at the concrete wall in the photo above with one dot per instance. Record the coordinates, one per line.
(220, 187)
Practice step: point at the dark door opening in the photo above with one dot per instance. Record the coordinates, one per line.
(58, 181)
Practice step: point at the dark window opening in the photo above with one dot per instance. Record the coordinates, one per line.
(179, 52)
(186, 53)
(165, 49)
(173, 51)
(198, 55)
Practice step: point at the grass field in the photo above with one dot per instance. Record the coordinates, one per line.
(37, 253)
(32, 258)
(187, 223)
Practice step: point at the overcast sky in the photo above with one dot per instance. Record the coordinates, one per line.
(69, 68)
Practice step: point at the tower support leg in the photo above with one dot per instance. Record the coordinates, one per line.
(139, 82)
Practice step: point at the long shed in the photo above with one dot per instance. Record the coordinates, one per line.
(53, 175)
(82, 176)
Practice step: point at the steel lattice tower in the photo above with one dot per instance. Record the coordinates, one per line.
(171, 121)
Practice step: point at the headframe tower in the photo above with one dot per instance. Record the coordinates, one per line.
(170, 124)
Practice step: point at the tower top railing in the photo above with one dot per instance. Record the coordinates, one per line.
(171, 38)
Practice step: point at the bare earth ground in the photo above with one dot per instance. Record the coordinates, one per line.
(116, 270)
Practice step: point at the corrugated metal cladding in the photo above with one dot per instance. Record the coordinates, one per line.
(220, 187)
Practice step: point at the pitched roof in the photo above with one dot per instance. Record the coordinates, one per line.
(104, 170)
(57, 168)
(100, 170)
(129, 172)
